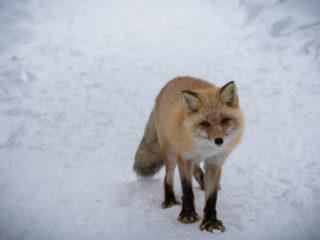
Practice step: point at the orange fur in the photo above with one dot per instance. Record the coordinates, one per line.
(192, 121)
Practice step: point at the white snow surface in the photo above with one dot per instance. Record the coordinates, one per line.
(78, 80)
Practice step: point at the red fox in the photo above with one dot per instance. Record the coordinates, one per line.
(192, 121)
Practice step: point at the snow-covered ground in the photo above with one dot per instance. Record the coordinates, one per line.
(77, 83)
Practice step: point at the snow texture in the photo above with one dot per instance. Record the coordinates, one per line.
(78, 80)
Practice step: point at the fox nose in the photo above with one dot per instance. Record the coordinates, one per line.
(218, 141)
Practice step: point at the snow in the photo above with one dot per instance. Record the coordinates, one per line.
(78, 80)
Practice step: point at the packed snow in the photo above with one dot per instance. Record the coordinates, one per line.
(78, 80)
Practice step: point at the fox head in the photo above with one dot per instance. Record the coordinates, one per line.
(213, 117)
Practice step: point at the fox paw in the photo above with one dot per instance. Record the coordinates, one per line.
(188, 216)
(209, 225)
(170, 203)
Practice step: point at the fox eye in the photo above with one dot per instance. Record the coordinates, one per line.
(205, 124)
(225, 120)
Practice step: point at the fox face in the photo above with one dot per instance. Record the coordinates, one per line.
(213, 118)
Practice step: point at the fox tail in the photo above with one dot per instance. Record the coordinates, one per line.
(148, 159)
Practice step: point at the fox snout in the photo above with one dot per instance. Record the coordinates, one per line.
(216, 135)
(218, 141)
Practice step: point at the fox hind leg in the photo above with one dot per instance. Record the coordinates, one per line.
(170, 163)
(198, 175)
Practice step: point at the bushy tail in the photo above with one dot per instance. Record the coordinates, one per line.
(148, 159)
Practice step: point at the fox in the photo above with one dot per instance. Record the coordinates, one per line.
(192, 121)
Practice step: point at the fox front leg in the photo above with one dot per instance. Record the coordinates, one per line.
(212, 179)
(188, 213)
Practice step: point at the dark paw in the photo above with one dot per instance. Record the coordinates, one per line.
(170, 203)
(210, 225)
(188, 217)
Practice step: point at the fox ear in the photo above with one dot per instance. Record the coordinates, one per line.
(229, 94)
(191, 100)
